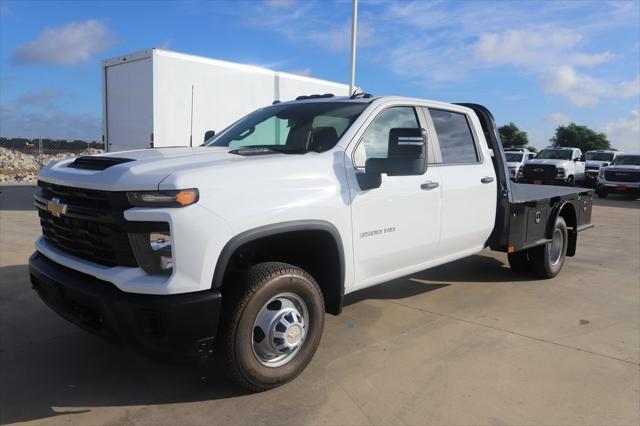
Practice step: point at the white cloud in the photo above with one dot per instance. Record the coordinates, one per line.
(280, 3)
(524, 48)
(624, 133)
(66, 45)
(42, 98)
(558, 119)
(304, 72)
(585, 91)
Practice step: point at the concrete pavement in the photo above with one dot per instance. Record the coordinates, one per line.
(465, 343)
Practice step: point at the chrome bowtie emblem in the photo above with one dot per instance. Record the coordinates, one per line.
(56, 207)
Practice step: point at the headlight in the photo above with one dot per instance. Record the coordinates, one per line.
(171, 198)
(560, 172)
(601, 173)
(153, 251)
(521, 172)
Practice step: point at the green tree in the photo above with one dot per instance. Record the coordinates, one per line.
(575, 136)
(512, 137)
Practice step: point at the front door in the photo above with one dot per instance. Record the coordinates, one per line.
(396, 227)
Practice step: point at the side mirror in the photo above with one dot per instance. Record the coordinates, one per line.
(604, 164)
(407, 156)
(209, 134)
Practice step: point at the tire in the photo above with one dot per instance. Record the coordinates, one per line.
(520, 262)
(547, 260)
(271, 292)
(603, 194)
(571, 181)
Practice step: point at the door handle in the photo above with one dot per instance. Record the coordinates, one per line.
(486, 179)
(429, 185)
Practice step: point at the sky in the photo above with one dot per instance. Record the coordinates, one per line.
(539, 64)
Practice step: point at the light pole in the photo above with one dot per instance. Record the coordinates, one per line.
(354, 29)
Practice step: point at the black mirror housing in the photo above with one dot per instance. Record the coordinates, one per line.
(407, 156)
(209, 134)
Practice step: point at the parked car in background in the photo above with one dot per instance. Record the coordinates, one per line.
(516, 158)
(554, 166)
(622, 176)
(594, 161)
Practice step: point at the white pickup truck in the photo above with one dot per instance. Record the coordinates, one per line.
(239, 247)
(554, 166)
(622, 176)
(516, 157)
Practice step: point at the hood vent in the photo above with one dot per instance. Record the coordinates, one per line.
(97, 163)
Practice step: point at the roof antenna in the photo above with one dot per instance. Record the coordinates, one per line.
(354, 29)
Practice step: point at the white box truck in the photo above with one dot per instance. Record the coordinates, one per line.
(158, 98)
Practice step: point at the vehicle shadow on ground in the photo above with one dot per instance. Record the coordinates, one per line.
(17, 197)
(471, 270)
(48, 365)
(616, 200)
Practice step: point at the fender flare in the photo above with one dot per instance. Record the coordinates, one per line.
(274, 229)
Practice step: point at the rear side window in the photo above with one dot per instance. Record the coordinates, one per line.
(454, 136)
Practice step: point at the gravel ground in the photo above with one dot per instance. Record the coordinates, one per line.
(20, 167)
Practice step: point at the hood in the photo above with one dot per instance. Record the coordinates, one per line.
(623, 168)
(144, 169)
(557, 163)
(593, 164)
(512, 164)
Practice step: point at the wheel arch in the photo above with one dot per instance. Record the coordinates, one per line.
(316, 236)
(567, 211)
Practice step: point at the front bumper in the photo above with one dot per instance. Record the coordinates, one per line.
(556, 181)
(631, 188)
(180, 326)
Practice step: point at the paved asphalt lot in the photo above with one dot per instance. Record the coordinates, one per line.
(466, 343)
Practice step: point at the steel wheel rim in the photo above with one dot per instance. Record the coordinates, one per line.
(280, 330)
(555, 246)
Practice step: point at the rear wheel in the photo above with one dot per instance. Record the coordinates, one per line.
(547, 260)
(274, 327)
(520, 262)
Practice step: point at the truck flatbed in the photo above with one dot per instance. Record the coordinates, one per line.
(525, 192)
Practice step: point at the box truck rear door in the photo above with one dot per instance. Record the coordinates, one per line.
(129, 105)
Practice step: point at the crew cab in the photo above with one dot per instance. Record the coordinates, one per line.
(516, 158)
(622, 176)
(594, 161)
(239, 247)
(554, 166)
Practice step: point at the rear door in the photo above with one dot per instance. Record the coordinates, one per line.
(129, 105)
(468, 182)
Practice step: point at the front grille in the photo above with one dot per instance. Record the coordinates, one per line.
(91, 227)
(540, 171)
(620, 176)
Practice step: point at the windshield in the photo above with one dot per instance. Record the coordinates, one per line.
(554, 154)
(513, 157)
(292, 128)
(627, 160)
(599, 156)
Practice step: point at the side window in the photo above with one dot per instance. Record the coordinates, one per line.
(454, 136)
(375, 141)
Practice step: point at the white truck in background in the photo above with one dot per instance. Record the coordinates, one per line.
(156, 98)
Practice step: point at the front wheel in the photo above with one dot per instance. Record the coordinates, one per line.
(547, 260)
(275, 326)
(571, 181)
(602, 194)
